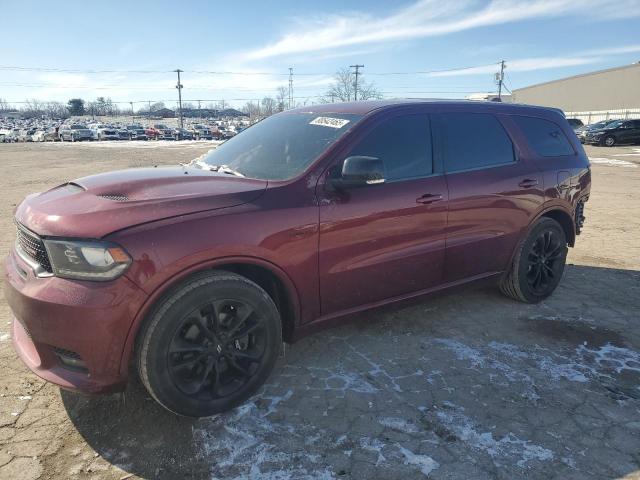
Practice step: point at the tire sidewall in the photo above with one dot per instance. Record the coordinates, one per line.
(163, 325)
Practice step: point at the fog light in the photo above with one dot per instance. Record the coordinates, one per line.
(70, 359)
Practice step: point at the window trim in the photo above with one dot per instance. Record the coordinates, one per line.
(442, 147)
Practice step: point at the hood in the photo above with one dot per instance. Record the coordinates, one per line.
(92, 207)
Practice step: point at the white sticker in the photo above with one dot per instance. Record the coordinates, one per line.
(329, 122)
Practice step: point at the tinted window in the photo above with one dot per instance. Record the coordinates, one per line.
(403, 144)
(474, 140)
(546, 138)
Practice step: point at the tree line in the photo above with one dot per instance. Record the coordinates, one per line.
(342, 89)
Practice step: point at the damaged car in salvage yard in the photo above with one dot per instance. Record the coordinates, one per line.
(195, 274)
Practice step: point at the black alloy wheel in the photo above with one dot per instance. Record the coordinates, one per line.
(216, 349)
(209, 344)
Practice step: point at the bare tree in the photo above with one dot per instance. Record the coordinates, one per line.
(252, 109)
(268, 106)
(343, 88)
(222, 104)
(282, 95)
(4, 105)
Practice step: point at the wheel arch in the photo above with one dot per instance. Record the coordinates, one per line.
(565, 220)
(267, 275)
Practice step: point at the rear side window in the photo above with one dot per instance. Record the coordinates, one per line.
(546, 138)
(474, 140)
(403, 144)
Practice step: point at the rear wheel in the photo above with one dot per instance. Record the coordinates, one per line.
(210, 345)
(538, 264)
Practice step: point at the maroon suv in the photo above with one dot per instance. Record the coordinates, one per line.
(197, 273)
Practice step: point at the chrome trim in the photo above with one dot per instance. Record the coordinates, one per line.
(38, 270)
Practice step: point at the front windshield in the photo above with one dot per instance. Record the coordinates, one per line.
(282, 146)
(615, 124)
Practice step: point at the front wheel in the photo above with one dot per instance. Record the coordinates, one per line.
(210, 344)
(538, 264)
(609, 141)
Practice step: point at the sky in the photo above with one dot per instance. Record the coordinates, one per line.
(240, 51)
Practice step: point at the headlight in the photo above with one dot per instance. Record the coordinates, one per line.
(86, 260)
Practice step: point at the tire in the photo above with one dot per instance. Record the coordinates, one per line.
(609, 141)
(189, 358)
(538, 264)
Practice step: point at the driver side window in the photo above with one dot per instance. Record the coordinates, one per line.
(403, 144)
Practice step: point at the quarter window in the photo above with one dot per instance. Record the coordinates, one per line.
(403, 144)
(546, 138)
(474, 140)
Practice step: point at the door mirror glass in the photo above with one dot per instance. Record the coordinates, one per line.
(360, 171)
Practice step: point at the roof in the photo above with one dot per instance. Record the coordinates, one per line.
(368, 106)
(588, 74)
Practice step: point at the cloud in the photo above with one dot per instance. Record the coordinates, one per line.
(427, 18)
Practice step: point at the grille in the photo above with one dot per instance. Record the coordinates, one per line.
(33, 247)
(115, 197)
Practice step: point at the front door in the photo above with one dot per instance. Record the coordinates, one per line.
(384, 241)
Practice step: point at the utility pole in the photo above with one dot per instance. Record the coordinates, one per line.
(179, 86)
(149, 116)
(500, 80)
(132, 114)
(290, 86)
(357, 67)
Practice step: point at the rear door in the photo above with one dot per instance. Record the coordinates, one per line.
(493, 192)
(384, 241)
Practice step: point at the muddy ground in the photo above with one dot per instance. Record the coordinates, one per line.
(467, 385)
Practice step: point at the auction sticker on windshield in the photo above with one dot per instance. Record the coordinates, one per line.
(329, 122)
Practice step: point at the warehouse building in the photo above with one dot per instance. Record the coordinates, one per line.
(611, 93)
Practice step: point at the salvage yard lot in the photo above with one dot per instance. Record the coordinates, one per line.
(466, 385)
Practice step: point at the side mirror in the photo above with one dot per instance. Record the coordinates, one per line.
(359, 172)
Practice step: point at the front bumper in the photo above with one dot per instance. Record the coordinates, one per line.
(55, 318)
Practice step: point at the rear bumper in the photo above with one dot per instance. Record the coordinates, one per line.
(54, 316)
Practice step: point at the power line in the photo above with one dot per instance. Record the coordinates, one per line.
(224, 72)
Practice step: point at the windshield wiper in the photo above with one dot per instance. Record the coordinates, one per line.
(222, 169)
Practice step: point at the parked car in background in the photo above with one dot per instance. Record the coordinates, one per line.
(575, 123)
(614, 133)
(38, 136)
(582, 131)
(306, 217)
(75, 133)
(25, 135)
(106, 133)
(182, 134)
(136, 132)
(201, 132)
(159, 131)
(123, 134)
(51, 135)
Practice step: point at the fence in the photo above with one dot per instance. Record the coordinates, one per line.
(596, 116)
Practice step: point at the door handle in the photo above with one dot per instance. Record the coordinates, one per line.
(528, 183)
(429, 198)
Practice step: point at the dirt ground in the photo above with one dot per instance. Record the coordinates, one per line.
(466, 385)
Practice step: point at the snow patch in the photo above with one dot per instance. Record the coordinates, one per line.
(398, 424)
(509, 448)
(424, 462)
(612, 162)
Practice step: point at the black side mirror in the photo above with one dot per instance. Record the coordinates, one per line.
(359, 172)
